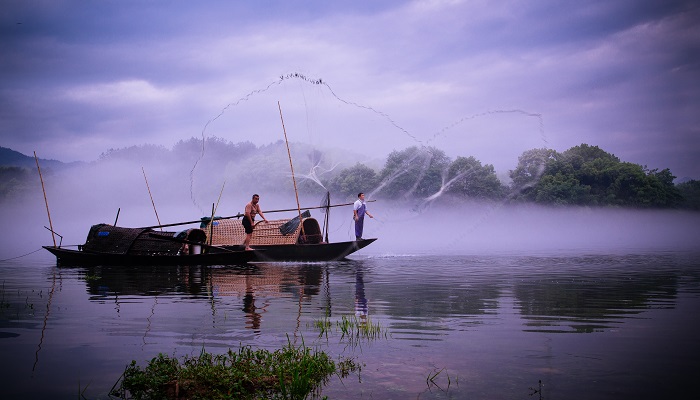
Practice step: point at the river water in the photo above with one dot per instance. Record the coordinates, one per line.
(518, 326)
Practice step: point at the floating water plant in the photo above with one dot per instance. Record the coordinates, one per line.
(289, 373)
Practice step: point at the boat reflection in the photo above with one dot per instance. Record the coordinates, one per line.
(579, 301)
(255, 285)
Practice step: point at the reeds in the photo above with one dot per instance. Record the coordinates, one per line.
(352, 329)
(288, 373)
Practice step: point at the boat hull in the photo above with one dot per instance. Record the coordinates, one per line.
(77, 257)
(305, 252)
(228, 255)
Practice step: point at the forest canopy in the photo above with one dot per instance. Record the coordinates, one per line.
(583, 175)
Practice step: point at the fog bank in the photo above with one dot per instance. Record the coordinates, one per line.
(81, 198)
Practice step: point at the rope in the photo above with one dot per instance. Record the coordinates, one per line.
(23, 255)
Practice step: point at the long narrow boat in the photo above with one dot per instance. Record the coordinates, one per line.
(215, 243)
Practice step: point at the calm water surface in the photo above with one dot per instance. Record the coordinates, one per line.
(485, 327)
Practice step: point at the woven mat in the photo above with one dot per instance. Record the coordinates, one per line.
(230, 232)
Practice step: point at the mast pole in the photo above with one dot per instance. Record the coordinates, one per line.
(149, 193)
(328, 213)
(296, 192)
(53, 236)
(239, 215)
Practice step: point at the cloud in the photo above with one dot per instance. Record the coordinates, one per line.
(132, 92)
(620, 75)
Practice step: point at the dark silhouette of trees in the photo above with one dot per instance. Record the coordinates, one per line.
(587, 175)
(690, 191)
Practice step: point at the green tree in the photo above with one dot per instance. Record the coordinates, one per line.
(350, 181)
(466, 177)
(640, 187)
(531, 167)
(413, 172)
(690, 192)
(561, 189)
(588, 175)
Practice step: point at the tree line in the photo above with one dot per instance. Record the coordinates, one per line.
(583, 175)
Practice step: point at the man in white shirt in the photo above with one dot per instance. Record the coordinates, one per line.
(359, 211)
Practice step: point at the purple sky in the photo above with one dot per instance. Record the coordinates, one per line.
(484, 78)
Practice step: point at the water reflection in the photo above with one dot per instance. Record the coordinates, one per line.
(361, 308)
(255, 285)
(253, 316)
(590, 300)
(550, 297)
(569, 321)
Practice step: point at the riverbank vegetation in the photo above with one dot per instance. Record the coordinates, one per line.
(288, 373)
(583, 175)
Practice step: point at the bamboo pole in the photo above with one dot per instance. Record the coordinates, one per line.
(211, 225)
(149, 193)
(43, 189)
(296, 192)
(327, 216)
(213, 212)
(241, 215)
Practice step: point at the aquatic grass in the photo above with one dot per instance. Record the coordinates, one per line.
(92, 277)
(351, 328)
(357, 328)
(354, 330)
(432, 376)
(288, 373)
(324, 326)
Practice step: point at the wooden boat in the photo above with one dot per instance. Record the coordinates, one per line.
(296, 239)
(217, 243)
(111, 245)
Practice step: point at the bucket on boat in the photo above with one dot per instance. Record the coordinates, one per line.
(195, 249)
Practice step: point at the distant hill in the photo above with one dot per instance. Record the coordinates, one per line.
(12, 158)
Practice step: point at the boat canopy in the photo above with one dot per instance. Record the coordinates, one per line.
(230, 232)
(109, 239)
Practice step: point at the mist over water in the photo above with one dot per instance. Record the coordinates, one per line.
(81, 197)
(145, 188)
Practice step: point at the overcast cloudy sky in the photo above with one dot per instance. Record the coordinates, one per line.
(484, 78)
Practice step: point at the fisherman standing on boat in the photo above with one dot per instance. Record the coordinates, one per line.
(359, 211)
(251, 209)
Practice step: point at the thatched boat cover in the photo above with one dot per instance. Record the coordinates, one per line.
(104, 238)
(230, 232)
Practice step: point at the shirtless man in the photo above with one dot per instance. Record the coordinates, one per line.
(251, 210)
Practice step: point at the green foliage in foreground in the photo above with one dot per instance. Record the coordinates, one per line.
(289, 373)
